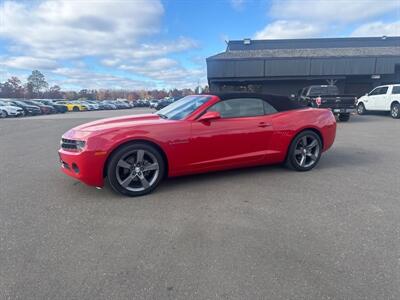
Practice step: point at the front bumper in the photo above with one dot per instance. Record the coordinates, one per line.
(86, 166)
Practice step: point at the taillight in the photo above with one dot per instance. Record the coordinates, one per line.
(318, 100)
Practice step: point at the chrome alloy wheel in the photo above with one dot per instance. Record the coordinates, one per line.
(307, 151)
(137, 170)
(395, 111)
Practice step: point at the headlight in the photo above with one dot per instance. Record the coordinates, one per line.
(72, 145)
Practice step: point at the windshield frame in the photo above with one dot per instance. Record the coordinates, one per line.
(165, 112)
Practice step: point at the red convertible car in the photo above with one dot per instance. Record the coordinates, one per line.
(195, 134)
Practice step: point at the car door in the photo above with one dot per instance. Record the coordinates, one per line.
(370, 101)
(239, 137)
(380, 98)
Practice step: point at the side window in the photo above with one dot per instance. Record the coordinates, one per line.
(240, 107)
(383, 90)
(268, 108)
(375, 92)
(396, 90)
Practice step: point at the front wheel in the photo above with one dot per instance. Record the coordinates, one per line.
(76, 108)
(395, 111)
(361, 109)
(304, 151)
(344, 117)
(135, 169)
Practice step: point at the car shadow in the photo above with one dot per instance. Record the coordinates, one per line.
(347, 157)
(369, 117)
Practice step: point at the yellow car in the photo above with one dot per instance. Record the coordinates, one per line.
(73, 106)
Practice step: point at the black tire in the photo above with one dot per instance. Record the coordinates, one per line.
(395, 111)
(361, 109)
(75, 108)
(116, 174)
(295, 153)
(344, 117)
(3, 114)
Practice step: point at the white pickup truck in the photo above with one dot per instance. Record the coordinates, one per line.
(381, 98)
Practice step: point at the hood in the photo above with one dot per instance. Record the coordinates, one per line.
(120, 123)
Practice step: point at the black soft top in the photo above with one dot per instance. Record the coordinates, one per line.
(280, 103)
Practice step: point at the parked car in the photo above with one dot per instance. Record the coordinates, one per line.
(7, 110)
(60, 108)
(198, 133)
(31, 110)
(73, 105)
(381, 98)
(108, 104)
(163, 103)
(45, 109)
(328, 96)
(93, 105)
(153, 103)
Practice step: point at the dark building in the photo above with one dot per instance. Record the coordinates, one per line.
(355, 65)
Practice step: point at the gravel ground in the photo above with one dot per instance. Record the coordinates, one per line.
(258, 233)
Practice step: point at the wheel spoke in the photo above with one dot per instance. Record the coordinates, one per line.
(304, 141)
(312, 144)
(297, 152)
(124, 164)
(303, 160)
(151, 167)
(127, 180)
(140, 154)
(144, 181)
(313, 157)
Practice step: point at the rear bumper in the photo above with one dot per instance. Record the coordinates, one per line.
(86, 166)
(343, 110)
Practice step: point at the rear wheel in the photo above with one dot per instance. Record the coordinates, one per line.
(395, 110)
(75, 108)
(304, 151)
(361, 109)
(344, 117)
(3, 114)
(135, 169)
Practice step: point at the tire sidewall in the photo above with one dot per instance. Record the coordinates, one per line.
(361, 105)
(344, 117)
(398, 111)
(291, 160)
(116, 156)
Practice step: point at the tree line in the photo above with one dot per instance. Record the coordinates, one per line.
(37, 87)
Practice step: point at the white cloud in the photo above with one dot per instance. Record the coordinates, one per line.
(288, 29)
(329, 11)
(323, 18)
(378, 29)
(26, 62)
(168, 71)
(44, 34)
(67, 29)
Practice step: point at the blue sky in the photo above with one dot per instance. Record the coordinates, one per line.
(145, 44)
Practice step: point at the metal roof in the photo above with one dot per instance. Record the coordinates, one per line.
(316, 52)
(303, 48)
(306, 57)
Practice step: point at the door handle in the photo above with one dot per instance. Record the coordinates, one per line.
(263, 124)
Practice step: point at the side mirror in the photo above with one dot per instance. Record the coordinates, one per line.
(210, 115)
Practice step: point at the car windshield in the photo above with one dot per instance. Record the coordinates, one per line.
(183, 107)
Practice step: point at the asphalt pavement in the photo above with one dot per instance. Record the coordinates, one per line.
(256, 233)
